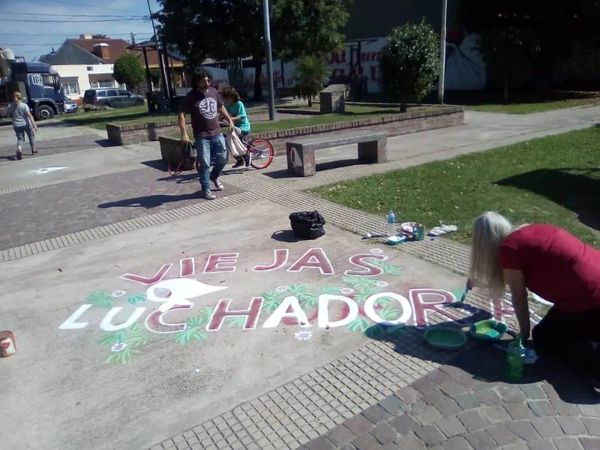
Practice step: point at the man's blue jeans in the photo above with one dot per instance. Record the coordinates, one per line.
(209, 149)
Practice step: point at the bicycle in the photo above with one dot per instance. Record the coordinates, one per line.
(260, 156)
(260, 153)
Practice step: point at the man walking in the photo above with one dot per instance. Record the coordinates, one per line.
(204, 104)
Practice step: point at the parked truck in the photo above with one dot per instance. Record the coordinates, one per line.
(37, 82)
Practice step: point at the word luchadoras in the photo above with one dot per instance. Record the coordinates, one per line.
(176, 294)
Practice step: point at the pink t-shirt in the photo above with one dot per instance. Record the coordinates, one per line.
(556, 265)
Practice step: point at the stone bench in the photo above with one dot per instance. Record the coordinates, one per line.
(372, 148)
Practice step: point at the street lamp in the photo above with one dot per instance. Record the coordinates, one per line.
(268, 52)
(442, 80)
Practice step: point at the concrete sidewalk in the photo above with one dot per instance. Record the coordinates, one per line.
(124, 338)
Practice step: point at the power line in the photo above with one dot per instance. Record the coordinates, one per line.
(88, 5)
(77, 15)
(144, 18)
(70, 34)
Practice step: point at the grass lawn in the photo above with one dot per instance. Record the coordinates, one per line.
(139, 114)
(549, 180)
(521, 103)
(98, 119)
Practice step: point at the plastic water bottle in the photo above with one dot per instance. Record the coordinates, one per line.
(515, 360)
(391, 224)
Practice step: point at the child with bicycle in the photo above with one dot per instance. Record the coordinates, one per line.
(237, 111)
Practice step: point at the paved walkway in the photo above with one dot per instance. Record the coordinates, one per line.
(78, 267)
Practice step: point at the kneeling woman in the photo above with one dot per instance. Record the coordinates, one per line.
(553, 264)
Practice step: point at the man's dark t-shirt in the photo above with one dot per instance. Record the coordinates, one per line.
(204, 109)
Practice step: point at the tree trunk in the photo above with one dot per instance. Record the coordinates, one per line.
(257, 83)
(402, 107)
(310, 101)
(505, 91)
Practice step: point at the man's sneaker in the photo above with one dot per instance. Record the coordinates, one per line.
(218, 184)
(208, 195)
(239, 162)
(19, 156)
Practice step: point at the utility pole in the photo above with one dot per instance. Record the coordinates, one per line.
(441, 82)
(163, 73)
(132, 39)
(268, 52)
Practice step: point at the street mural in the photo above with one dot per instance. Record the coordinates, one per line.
(162, 305)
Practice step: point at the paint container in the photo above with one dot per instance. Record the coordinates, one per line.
(7, 344)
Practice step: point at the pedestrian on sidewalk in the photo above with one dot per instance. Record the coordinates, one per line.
(204, 104)
(23, 123)
(553, 264)
(237, 111)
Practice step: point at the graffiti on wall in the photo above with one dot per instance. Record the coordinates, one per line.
(162, 305)
(465, 67)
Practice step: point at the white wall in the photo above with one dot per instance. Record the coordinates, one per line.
(465, 68)
(82, 73)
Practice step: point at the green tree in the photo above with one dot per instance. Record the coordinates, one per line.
(223, 29)
(128, 70)
(545, 30)
(155, 75)
(410, 63)
(507, 52)
(308, 27)
(311, 74)
(230, 29)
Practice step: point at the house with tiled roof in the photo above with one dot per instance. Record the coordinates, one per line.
(88, 61)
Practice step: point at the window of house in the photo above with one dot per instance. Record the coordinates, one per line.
(90, 68)
(102, 84)
(70, 85)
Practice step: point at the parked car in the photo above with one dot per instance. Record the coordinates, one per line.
(70, 106)
(113, 98)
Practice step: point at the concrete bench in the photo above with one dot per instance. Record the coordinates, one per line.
(372, 148)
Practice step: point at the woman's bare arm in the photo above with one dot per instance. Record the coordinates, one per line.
(516, 283)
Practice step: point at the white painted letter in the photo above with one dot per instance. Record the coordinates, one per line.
(71, 323)
(282, 312)
(404, 303)
(107, 325)
(323, 318)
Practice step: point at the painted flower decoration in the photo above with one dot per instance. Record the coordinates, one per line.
(382, 283)
(118, 293)
(118, 347)
(347, 291)
(281, 289)
(376, 251)
(303, 335)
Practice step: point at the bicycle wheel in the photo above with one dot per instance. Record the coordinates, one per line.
(261, 153)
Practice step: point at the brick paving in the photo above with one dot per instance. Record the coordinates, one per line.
(429, 414)
(48, 212)
(89, 142)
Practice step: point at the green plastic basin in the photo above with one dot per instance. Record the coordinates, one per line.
(445, 338)
(489, 330)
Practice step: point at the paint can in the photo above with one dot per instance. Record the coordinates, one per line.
(7, 344)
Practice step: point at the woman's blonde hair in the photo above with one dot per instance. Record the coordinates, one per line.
(489, 230)
(17, 95)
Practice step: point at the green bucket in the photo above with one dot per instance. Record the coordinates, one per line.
(445, 338)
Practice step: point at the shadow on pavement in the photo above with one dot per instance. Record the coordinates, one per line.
(485, 361)
(320, 167)
(285, 236)
(149, 201)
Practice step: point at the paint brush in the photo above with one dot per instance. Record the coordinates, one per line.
(463, 297)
